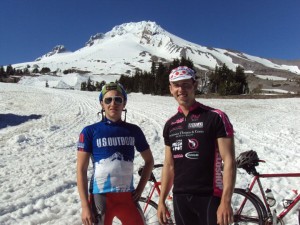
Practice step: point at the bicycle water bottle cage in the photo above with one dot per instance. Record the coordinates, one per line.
(248, 161)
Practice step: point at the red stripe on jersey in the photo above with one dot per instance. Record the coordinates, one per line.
(81, 142)
(226, 122)
(81, 138)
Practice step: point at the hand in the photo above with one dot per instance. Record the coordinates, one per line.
(162, 213)
(224, 214)
(87, 216)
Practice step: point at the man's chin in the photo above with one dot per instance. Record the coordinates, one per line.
(183, 102)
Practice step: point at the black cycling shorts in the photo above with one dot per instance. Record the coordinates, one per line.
(195, 210)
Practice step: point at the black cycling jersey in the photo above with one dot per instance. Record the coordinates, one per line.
(193, 142)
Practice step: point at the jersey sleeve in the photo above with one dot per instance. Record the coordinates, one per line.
(224, 127)
(85, 141)
(141, 143)
(166, 134)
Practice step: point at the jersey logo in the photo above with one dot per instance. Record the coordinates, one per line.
(178, 156)
(193, 143)
(115, 141)
(178, 121)
(218, 172)
(176, 128)
(195, 125)
(195, 117)
(177, 146)
(192, 155)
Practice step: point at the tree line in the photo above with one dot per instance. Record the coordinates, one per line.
(156, 81)
(10, 71)
(222, 80)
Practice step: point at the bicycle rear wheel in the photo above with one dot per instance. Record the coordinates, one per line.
(149, 209)
(150, 212)
(245, 209)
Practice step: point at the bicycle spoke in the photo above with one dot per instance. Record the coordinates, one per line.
(245, 209)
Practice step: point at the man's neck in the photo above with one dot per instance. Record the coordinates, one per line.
(186, 107)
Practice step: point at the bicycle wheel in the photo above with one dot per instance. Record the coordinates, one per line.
(148, 209)
(259, 202)
(150, 212)
(245, 208)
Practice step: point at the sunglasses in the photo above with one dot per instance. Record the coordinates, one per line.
(117, 99)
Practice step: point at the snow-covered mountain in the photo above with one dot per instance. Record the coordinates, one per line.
(56, 50)
(133, 46)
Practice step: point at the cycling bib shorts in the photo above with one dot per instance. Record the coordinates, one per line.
(195, 210)
(120, 205)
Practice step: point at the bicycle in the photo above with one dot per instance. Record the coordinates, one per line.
(248, 207)
(149, 206)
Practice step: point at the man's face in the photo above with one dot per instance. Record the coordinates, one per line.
(113, 104)
(184, 91)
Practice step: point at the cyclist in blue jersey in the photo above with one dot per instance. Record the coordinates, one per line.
(111, 144)
(197, 138)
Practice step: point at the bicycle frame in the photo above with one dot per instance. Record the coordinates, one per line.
(154, 188)
(256, 179)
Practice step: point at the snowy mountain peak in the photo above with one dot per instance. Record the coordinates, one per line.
(136, 28)
(56, 50)
(93, 38)
(133, 46)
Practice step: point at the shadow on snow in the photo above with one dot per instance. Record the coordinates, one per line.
(14, 120)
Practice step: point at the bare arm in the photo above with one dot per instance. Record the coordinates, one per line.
(82, 185)
(148, 159)
(226, 148)
(167, 179)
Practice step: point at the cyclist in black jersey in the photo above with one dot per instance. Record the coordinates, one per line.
(197, 139)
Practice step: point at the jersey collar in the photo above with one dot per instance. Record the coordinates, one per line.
(192, 108)
(108, 121)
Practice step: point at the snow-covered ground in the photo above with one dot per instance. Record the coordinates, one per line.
(39, 128)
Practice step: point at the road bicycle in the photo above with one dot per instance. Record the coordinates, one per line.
(248, 208)
(251, 209)
(148, 203)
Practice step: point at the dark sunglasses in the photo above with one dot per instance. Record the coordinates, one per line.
(117, 99)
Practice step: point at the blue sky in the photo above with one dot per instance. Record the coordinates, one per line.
(264, 28)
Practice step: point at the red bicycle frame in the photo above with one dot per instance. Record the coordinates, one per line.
(257, 177)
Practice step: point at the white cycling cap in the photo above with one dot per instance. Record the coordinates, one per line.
(182, 73)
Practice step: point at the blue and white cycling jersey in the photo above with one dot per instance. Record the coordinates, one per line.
(112, 147)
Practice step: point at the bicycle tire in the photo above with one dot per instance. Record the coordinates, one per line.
(150, 212)
(259, 202)
(248, 213)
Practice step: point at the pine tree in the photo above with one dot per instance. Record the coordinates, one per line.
(227, 82)
(83, 86)
(160, 80)
(9, 70)
(2, 72)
